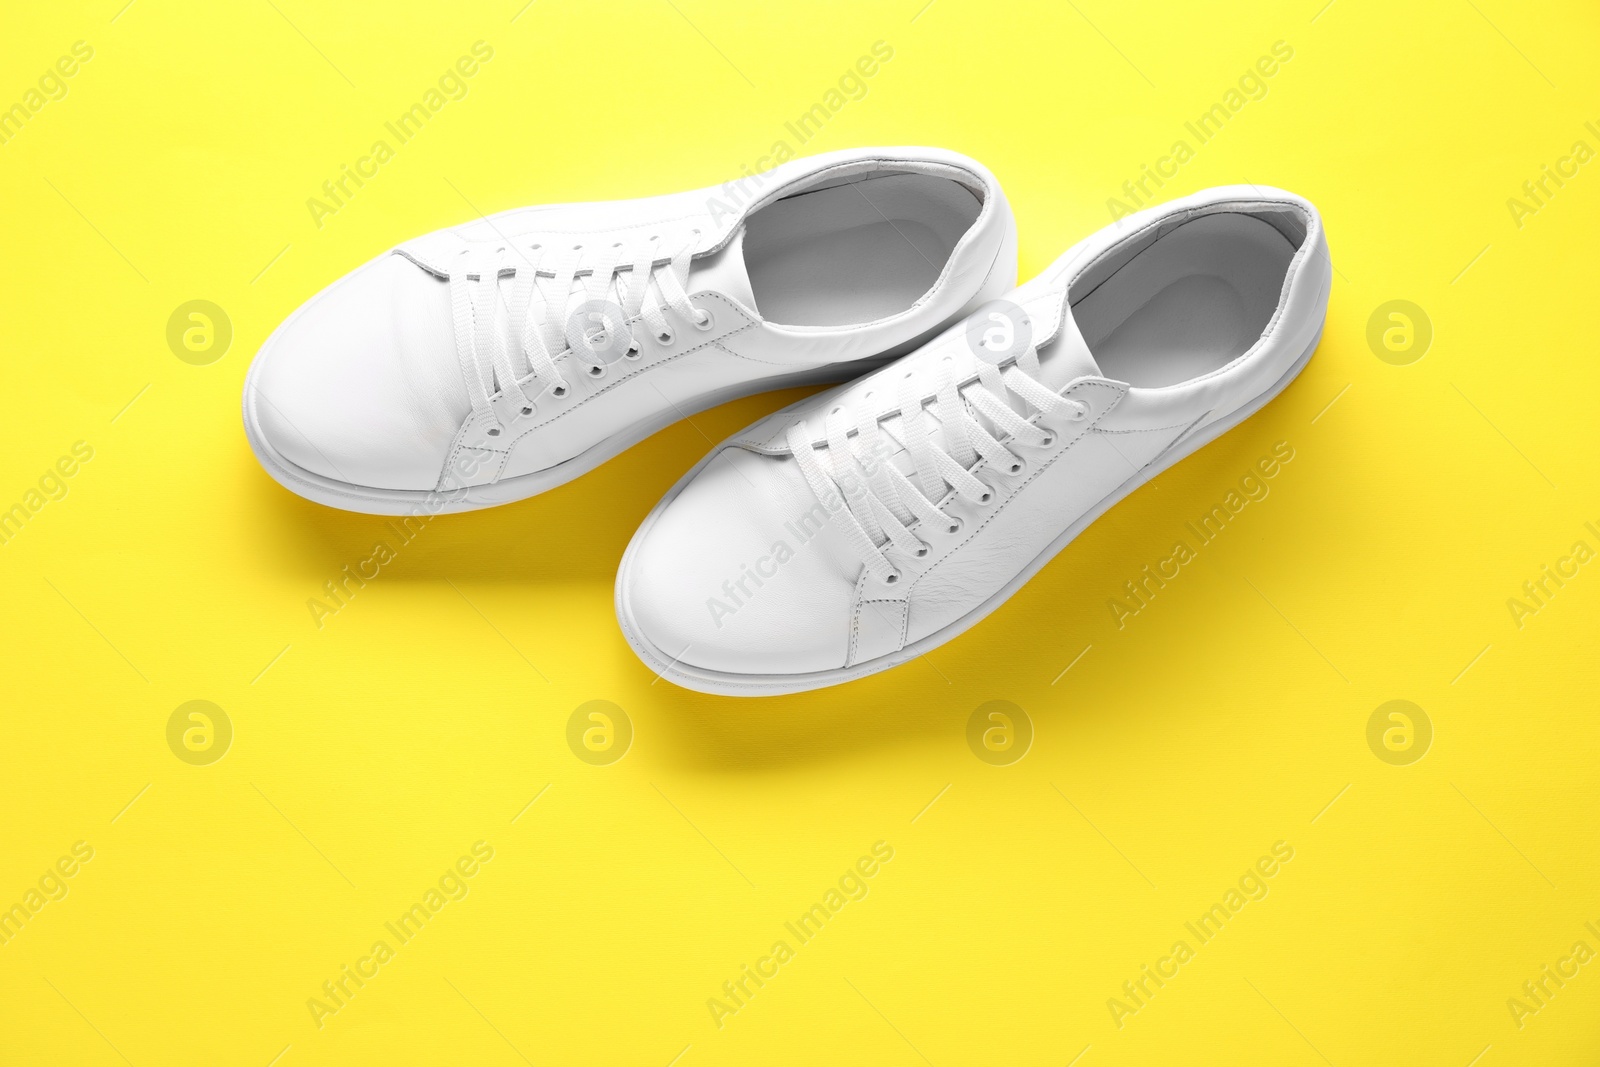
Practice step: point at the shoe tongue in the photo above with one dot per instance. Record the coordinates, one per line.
(724, 272)
(1067, 356)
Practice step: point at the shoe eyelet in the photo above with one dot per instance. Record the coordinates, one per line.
(709, 323)
(891, 578)
(1049, 439)
(988, 495)
(666, 337)
(1081, 414)
(493, 431)
(527, 409)
(923, 551)
(596, 370)
(955, 526)
(1017, 467)
(633, 352)
(559, 391)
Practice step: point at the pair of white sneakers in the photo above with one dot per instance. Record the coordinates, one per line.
(981, 427)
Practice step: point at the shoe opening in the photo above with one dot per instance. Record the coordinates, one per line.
(1188, 296)
(857, 250)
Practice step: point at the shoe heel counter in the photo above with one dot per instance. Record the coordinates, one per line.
(1304, 306)
(1001, 277)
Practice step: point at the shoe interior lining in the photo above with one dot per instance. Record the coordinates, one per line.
(1186, 299)
(855, 252)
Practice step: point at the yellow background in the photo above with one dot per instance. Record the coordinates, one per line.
(425, 715)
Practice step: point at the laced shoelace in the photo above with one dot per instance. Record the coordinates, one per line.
(543, 329)
(881, 504)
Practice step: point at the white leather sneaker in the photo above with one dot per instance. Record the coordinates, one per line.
(865, 525)
(488, 362)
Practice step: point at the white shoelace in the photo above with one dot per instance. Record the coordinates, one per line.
(881, 505)
(544, 331)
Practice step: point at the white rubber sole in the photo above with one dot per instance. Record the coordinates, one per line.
(722, 683)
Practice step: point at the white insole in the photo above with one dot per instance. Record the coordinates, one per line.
(854, 253)
(1189, 304)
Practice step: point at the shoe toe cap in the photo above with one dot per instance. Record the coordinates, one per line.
(742, 572)
(361, 386)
